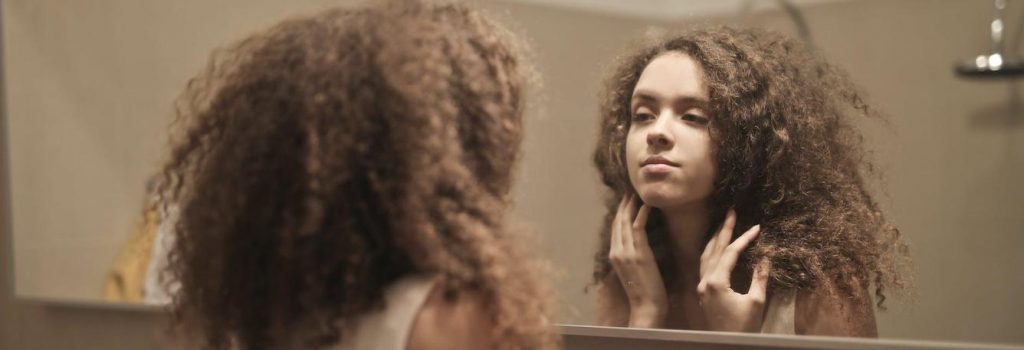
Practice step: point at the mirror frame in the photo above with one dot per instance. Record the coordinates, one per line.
(594, 337)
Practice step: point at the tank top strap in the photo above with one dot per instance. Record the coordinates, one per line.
(389, 328)
(780, 313)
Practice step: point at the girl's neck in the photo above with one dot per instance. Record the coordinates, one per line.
(686, 226)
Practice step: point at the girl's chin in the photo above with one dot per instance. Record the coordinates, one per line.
(660, 199)
(669, 196)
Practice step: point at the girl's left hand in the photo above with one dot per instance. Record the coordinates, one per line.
(724, 308)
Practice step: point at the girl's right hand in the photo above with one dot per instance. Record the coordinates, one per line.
(634, 263)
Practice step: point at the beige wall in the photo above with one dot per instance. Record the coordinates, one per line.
(25, 325)
(90, 92)
(557, 189)
(951, 159)
(954, 158)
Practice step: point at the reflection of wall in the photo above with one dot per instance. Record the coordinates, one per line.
(954, 158)
(557, 187)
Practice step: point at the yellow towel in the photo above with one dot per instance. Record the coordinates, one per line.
(128, 274)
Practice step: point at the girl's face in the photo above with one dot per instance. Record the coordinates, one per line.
(668, 147)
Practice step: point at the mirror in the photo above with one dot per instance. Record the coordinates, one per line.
(90, 91)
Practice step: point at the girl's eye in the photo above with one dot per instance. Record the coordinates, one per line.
(690, 117)
(643, 116)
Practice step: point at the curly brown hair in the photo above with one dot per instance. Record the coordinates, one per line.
(324, 158)
(788, 159)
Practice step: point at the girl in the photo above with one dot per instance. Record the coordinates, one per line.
(739, 198)
(342, 181)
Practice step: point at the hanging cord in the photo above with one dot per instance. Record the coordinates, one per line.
(791, 10)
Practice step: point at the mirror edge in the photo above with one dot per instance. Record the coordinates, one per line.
(625, 336)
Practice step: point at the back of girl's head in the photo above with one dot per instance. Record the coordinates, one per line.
(788, 157)
(326, 157)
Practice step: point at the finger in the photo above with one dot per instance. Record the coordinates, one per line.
(631, 207)
(744, 240)
(706, 261)
(721, 238)
(616, 227)
(710, 247)
(725, 235)
(640, 224)
(628, 234)
(709, 256)
(759, 282)
(615, 241)
(622, 203)
(625, 227)
(731, 254)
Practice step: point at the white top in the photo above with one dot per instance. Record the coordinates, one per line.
(780, 314)
(154, 292)
(388, 328)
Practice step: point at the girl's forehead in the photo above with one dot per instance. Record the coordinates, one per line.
(671, 76)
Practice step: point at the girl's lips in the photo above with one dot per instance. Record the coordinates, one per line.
(658, 160)
(657, 168)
